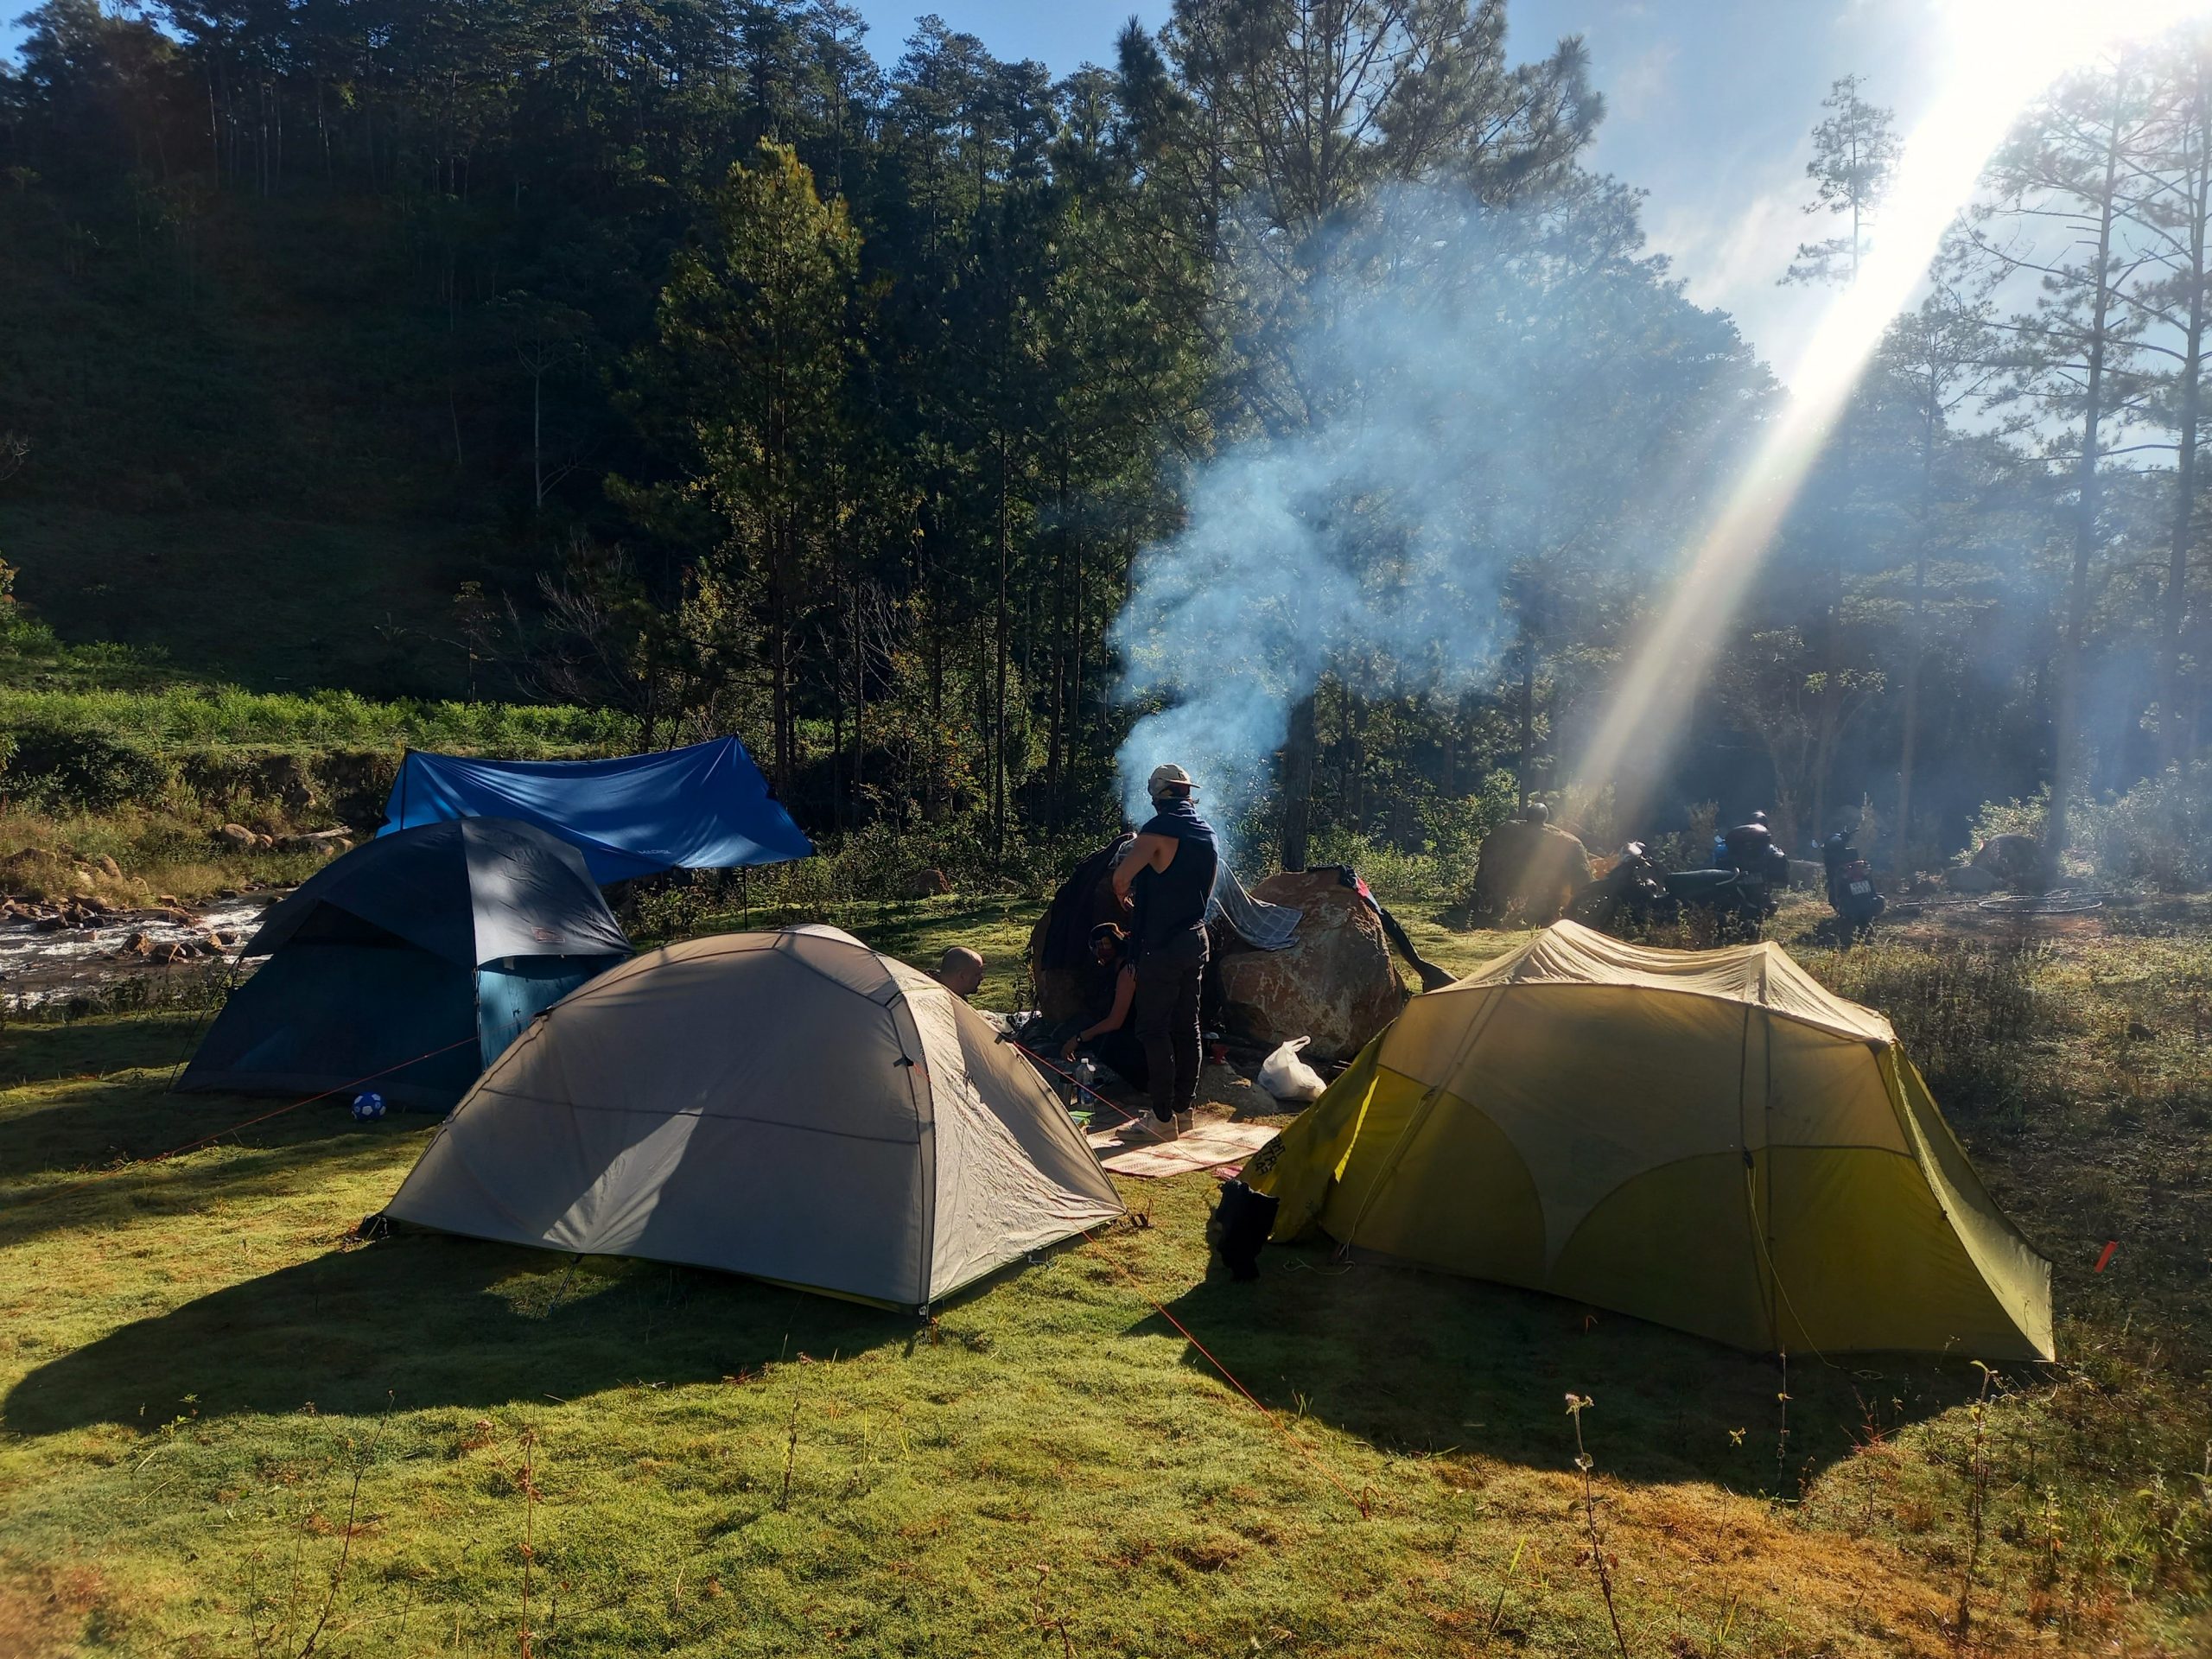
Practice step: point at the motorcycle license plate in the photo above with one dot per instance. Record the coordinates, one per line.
(1860, 889)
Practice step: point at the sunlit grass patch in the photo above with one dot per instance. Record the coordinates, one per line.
(227, 1429)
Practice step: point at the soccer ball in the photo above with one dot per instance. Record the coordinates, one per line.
(367, 1108)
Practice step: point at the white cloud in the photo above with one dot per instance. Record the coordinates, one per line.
(1645, 84)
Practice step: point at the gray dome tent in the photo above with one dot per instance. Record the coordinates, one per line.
(387, 961)
(788, 1105)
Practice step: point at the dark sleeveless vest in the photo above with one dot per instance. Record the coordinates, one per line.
(1173, 900)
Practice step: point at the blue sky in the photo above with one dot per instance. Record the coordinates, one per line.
(1712, 102)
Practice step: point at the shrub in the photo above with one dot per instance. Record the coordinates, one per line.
(60, 769)
(2159, 832)
(1965, 1014)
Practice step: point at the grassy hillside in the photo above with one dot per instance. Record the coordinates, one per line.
(229, 1430)
(269, 603)
(270, 442)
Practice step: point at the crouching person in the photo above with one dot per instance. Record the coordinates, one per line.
(1111, 1036)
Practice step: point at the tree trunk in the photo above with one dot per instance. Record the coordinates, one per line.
(2176, 621)
(999, 652)
(536, 439)
(1524, 769)
(1917, 646)
(2066, 746)
(1909, 696)
(1298, 784)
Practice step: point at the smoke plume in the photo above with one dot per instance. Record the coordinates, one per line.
(1463, 391)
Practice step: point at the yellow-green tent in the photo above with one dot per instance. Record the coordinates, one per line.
(1705, 1138)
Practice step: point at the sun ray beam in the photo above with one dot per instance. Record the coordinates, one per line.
(2004, 53)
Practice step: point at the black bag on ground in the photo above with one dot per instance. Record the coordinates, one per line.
(1243, 1221)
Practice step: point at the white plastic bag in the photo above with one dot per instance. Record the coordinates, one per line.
(1288, 1077)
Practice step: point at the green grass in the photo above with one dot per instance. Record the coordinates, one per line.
(196, 717)
(221, 1418)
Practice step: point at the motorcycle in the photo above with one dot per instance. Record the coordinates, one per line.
(1737, 902)
(1740, 892)
(1850, 885)
(1636, 894)
(1629, 898)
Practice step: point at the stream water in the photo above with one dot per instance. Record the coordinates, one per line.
(38, 968)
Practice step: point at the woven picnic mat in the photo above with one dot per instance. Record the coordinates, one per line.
(1212, 1143)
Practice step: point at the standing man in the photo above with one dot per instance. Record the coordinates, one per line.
(1166, 880)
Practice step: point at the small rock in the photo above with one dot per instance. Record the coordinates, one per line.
(238, 836)
(2139, 1031)
(138, 945)
(109, 869)
(52, 922)
(1969, 878)
(264, 843)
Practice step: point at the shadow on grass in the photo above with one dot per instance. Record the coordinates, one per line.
(47, 1053)
(93, 1159)
(438, 1321)
(1419, 1364)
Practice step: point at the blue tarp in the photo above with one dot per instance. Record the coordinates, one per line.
(704, 807)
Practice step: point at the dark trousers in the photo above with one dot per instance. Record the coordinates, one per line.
(1165, 1014)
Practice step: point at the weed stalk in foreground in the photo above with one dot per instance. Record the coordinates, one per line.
(345, 1543)
(529, 1529)
(1977, 1498)
(1498, 1607)
(791, 1457)
(1576, 1405)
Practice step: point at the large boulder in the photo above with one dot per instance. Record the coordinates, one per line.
(2011, 860)
(1335, 982)
(1969, 878)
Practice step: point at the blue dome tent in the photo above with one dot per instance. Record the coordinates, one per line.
(386, 962)
(706, 807)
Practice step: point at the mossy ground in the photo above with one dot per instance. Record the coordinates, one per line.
(229, 1430)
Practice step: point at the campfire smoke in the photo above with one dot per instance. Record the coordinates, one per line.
(1459, 397)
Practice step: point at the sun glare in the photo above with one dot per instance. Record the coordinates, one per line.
(2002, 54)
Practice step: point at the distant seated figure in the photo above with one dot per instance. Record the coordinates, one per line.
(1752, 848)
(1529, 865)
(1744, 846)
(960, 970)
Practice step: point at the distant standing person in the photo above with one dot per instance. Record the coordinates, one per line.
(1166, 880)
(960, 970)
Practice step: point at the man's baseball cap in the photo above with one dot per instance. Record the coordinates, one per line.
(1163, 777)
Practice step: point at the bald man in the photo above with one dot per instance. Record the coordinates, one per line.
(960, 970)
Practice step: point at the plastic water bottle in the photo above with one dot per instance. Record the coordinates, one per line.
(1086, 1073)
(368, 1108)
